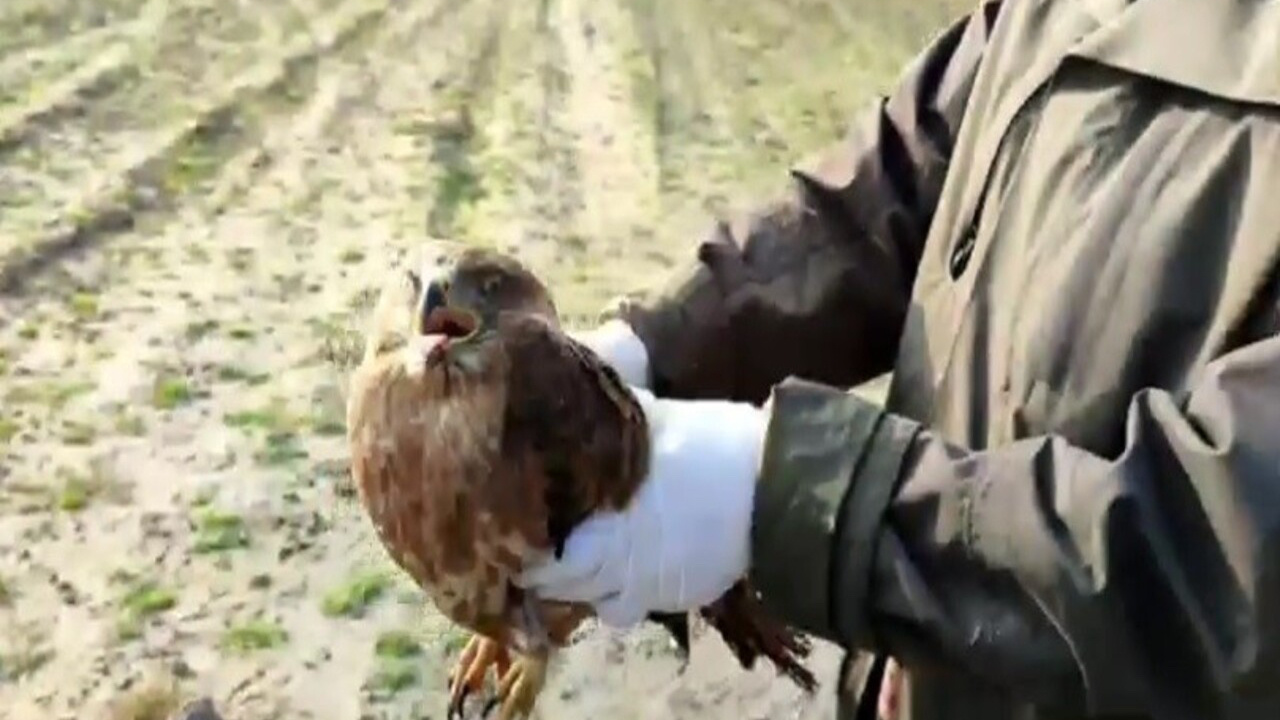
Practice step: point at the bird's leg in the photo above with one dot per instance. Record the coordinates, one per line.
(521, 683)
(473, 665)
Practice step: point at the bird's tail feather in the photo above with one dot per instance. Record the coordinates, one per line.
(750, 632)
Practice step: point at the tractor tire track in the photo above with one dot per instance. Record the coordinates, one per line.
(83, 84)
(613, 142)
(452, 132)
(692, 130)
(31, 25)
(90, 143)
(496, 171)
(179, 341)
(145, 185)
(520, 188)
(62, 50)
(659, 92)
(558, 182)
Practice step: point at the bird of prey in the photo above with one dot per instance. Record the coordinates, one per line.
(481, 435)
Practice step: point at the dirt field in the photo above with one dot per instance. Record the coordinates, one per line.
(193, 197)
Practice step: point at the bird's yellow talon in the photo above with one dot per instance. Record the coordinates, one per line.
(468, 674)
(519, 687)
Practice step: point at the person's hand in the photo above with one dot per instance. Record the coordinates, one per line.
(891, 687)
(685, 538)
(618, 345)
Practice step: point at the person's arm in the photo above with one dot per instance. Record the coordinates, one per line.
(1147, 584)
(817, 284)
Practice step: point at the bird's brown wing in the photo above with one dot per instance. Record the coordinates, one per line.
(572, 423)
(577, 433)
(583, 442)
(570, 412)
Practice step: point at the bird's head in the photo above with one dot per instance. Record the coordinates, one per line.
(458, 305)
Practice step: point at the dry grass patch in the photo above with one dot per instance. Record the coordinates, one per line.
(153, 700)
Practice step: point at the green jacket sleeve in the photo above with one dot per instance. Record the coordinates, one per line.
(817, 284)
(1144, 584)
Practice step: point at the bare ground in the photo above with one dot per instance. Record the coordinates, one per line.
(194, 196)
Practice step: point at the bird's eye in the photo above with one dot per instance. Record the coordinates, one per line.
(490, 286)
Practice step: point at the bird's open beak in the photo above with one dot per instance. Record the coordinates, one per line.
(439, 323)
(434, 298)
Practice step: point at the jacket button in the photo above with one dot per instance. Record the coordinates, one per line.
(961, 254)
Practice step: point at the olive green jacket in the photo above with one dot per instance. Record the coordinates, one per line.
(1061, 232)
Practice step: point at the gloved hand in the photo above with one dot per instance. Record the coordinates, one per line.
(618, 345)
(685, 538)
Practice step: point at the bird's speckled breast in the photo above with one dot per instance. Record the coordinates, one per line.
(425, 452)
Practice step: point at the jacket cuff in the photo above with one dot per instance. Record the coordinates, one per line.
(830, 466)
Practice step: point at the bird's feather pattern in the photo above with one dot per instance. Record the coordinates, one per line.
(503, 465)
(473, 467)
(569, 417)
(424, 462)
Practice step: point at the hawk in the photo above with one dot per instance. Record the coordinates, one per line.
(481, 435)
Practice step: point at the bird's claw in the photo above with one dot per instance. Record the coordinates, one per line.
(518, 689)
(519, 682)
(469, 672)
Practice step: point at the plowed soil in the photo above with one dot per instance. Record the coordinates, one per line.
(195, 197)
